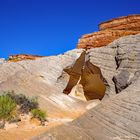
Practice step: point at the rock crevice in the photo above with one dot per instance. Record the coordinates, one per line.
(88, 75)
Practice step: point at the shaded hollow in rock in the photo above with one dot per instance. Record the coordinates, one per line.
(75, 73)
(89, 76)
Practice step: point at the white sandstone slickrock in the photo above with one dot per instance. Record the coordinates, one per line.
(119, 116)
(40, 78)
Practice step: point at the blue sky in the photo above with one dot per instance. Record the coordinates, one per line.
(49, 27)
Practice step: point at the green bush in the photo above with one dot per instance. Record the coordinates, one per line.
(7, 107)
(37, 113)
(11, 105)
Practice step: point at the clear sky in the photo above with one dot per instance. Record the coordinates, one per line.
(49, 27)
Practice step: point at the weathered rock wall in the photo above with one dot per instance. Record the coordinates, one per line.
(110, 31)
(130, 22)
(117, 118)
(102, 38)
(40, 78)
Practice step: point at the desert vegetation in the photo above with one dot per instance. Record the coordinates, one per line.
(12, 105)
(7, 107)
(39, 114)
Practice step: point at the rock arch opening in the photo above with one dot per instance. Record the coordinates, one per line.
(85, 78)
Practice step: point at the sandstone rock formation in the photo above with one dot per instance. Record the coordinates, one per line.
(41, 78)
(118, 114)
(111, 30)
(117, 118)
(92, 81)
(20, 57)
(88, 75)
(102, 38)
(78, 92)
(75, 73)
(130, 22)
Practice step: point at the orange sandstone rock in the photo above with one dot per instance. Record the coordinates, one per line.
(20, 57)
(130, 22)
(102, 38)
(111, 30)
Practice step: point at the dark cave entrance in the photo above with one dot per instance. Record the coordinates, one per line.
(83, 72)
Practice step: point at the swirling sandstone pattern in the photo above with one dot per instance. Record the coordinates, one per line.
(117, 118)
(40, 78)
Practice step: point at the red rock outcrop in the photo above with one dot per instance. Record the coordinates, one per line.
(111, 30)
(20, 57)
(130, 22)
(102, 38)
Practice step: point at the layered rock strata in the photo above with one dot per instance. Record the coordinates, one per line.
(117, 118)
(39, 78)
(111, 30)
(130, 22)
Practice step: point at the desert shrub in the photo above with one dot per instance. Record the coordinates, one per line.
(19, 98)
(28, 105)
(25, 104)
(7, 107)
(11, 103)
(39, 114)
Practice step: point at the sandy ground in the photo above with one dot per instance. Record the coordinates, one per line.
(26, 132)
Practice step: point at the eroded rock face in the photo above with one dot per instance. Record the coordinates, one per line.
(116, 117)
(119, 116)
(111, 30)
(92, 81)
(20, 57)
(102, 38)
(130, 22)
(77, 92)
(89, 76)
(75, 73)
(40, 78)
